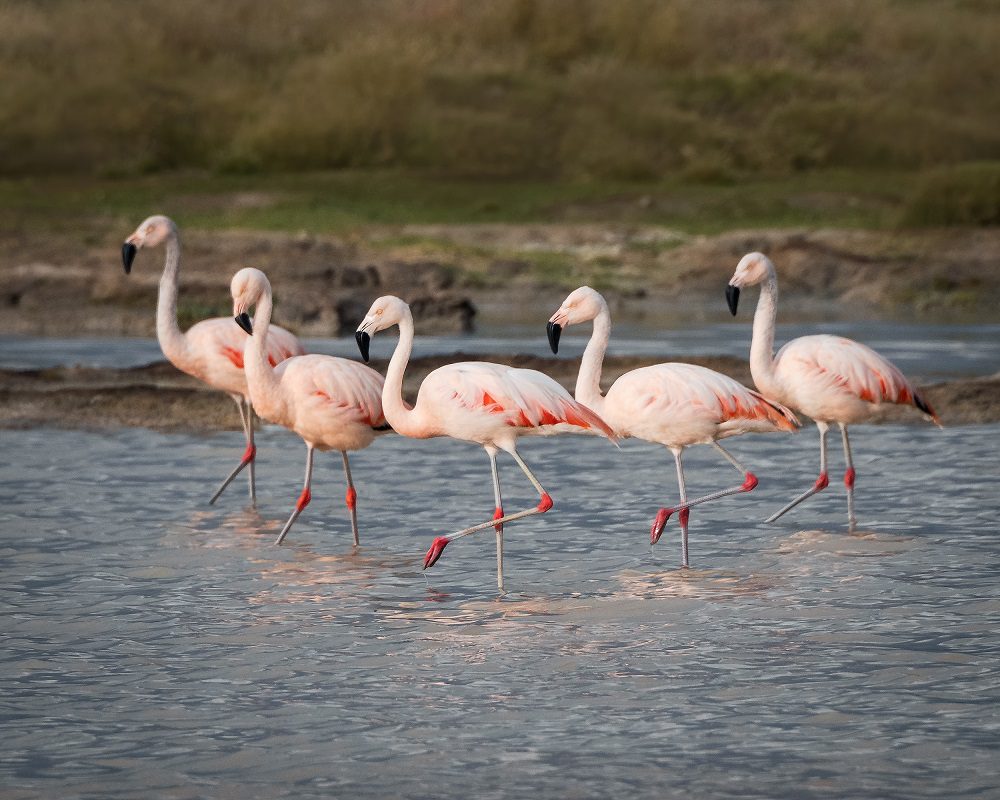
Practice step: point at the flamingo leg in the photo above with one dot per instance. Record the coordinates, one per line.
(544, 504)
(682, 491)
(849, 480)
(749, 483)
(821, 482)
(251, 467)
(351, 498)
(497, 513)
(304, 498)
(248, 456)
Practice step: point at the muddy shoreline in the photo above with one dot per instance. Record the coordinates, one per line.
(160, 397)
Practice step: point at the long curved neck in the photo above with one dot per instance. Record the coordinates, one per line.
(168, 333)
(404, 420)
(588, 381)
(262, 382)
(762, 344)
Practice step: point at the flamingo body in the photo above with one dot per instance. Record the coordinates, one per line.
(829, 378)
(331, 403)
(217, 346)
(673, 404)
(211, 350)
(475, 401)
(679, 405)
(487, 403)
(833, 379)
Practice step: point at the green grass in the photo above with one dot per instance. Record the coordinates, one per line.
(340, 202)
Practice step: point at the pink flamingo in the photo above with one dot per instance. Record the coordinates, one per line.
(676, 405)
(475, 401)
(828, 378)
(210, 350)
(332, 403)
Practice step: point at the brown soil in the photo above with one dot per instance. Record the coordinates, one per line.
(58, 284)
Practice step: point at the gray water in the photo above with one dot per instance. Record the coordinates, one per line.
(924, 352)
(157, 647)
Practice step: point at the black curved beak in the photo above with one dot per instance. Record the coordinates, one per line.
(363, 340)
(733, 297)
(554, 329)
(128, 256)
(243, 320)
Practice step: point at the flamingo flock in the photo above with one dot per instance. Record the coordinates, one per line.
(341, 404)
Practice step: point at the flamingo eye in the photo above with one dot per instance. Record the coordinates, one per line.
(379, 313)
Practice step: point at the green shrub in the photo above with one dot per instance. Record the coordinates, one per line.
(968, 194)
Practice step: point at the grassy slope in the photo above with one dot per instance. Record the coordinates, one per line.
(341, 202)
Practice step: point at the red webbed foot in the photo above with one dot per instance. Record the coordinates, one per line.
(436, 549)
(658, 524)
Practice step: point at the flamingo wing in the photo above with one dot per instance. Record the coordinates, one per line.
(844, 365)
(678, 392)
(524, 398)
(222, 338)
(327, 383)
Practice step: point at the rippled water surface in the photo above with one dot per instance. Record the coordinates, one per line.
(156, 647)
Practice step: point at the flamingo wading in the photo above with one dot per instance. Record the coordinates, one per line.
(332, 403)
(210, 350)
(828, 378)
(676, 405)
(475, 401)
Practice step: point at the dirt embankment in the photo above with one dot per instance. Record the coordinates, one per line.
(162, 398)
(59, 285)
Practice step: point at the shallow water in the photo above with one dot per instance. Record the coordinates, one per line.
(158, 647)
(924, 352)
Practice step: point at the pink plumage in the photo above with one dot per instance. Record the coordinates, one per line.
(675, 404)
(210, 350)
(331, 403)
(475, 401)
(829, 378)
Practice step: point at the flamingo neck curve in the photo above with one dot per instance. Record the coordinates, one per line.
(172, 341)
(588, 381)
(762, 343)
(262, 382)
(398, 413)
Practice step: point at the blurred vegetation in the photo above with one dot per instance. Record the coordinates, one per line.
(344, 201)
(966, 194)
(703, 91)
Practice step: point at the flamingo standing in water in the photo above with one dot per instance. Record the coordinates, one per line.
(828, 378)
(210, 350)
(676, 405)
(475, 401)
(332, 403)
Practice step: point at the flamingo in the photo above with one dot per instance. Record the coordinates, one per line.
(828, 378)
(475, 401)
(675, 404)
(210, 350)
(332, 403)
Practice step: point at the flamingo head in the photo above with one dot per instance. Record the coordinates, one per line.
(384, 313)
(247, 287)
(583, 304)
(752, 269)
(152, 232)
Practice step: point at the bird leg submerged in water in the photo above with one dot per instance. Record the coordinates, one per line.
(249, 456)
(824, 479)
(664, 514)
(544, 504)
